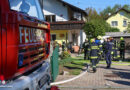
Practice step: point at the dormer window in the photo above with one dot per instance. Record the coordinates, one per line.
(121, 13)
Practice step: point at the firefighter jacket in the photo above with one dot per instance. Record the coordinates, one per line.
(94, 50)
(86, 45)
(113, 48)
(122, 45)
(116, 44)
(109, 47)
(100, 48)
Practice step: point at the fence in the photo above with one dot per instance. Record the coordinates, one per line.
(55, 64)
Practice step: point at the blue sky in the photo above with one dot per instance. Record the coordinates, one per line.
(99, 5)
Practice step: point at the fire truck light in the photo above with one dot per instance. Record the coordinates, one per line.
(20, 60)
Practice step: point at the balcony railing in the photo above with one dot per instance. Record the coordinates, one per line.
(67, 25)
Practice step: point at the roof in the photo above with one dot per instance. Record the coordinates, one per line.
(121, 9)
(73, 7)
(117, 34)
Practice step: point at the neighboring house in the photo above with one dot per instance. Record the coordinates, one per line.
(119, 19)
(66, 21)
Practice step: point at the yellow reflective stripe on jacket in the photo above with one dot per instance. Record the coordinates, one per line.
(89, 49)
(94, 47)
(112, 52)
(93, 57)
(100, 45)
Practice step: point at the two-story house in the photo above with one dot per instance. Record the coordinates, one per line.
(119, 19)
(66, 21)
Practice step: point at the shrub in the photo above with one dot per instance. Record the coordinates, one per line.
(65, 54)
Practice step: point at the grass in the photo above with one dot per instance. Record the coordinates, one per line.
(73, 65)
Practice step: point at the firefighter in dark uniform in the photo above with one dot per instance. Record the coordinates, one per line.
(115, 49)
(104, 48)
(85, 47)
(108, 50)
(122, 48)
(100, 48)
(94, 49)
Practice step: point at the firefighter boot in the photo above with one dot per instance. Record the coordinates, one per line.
(94, 69)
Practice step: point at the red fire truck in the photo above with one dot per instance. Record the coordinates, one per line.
(24, 46)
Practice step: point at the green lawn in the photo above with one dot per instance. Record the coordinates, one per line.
(74, 65)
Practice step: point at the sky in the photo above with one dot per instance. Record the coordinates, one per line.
(99, 5)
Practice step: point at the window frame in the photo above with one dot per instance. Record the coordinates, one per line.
(114, 23)
(50, 18)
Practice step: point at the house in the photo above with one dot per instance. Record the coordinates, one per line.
(119, 19)
(66, 21)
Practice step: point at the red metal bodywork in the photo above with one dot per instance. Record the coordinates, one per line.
(10, 47)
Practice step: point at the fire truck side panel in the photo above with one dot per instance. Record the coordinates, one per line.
(0, 40)
(12, 50)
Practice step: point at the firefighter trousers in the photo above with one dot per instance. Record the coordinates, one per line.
(122, 54)
(108, 59)
(94, 62)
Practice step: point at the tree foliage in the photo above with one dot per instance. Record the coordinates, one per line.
(94, 29)
(128, 28)
(112, 29)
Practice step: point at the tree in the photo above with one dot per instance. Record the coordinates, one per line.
(95, 24)
(94, 28)
(128, 28)
(92, 14)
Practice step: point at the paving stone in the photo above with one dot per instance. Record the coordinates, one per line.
(115, 78)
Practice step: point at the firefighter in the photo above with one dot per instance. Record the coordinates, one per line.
(63, 46)
(94, 49)
(104, 47)
(115, 49)
(98, 42)
(108, 50)
(85, 47)
(122, 48)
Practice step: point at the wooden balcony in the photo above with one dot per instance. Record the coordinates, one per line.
(67, 25)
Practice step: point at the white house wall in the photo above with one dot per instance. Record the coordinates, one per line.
(84, 36)
(54, 7)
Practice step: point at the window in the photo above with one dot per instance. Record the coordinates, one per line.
(114, 23)
(77, 16)
(30, 7)
(53, 37)
(124, 23)
(50, 18)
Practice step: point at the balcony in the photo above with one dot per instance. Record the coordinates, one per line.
(67, 25)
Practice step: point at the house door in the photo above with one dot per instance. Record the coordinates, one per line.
(74, 39)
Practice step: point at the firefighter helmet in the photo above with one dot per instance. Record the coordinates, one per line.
(121, 38)
(99, 37)
(92, 40)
